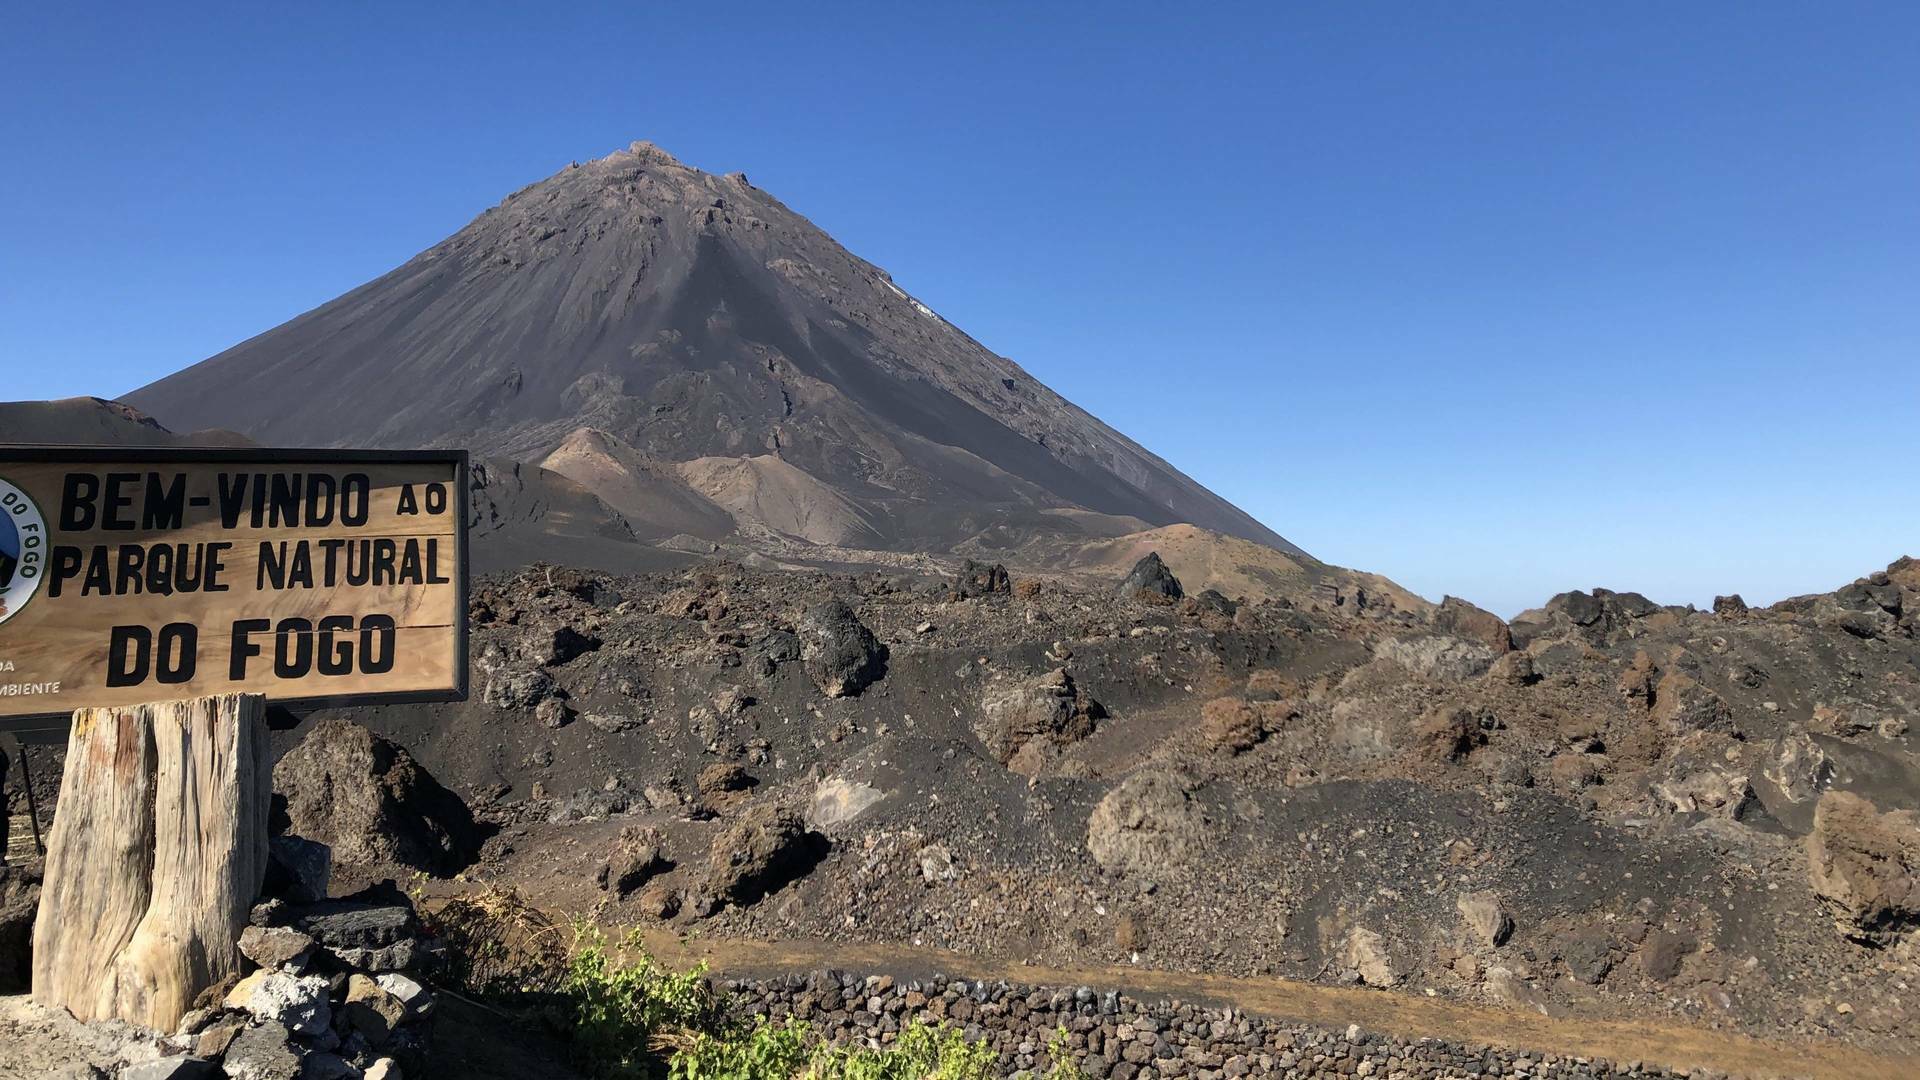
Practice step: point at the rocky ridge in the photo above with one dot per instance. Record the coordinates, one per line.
(1605, 808)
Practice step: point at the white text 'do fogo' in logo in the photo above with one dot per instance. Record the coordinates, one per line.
(23, 549)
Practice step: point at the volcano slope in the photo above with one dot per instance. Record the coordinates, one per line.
(654, 363)
(641, 319)
(1607, 809)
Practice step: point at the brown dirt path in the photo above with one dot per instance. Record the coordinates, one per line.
(1670, 1045)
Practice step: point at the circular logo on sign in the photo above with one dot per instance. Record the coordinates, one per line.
(23, 549)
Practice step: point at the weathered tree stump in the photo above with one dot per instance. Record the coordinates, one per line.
(158, 848)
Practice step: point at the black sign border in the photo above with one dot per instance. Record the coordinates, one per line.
(27, 726)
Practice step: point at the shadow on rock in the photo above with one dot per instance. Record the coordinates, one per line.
(368, 800)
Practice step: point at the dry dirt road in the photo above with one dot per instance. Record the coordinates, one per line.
(1670, 1045)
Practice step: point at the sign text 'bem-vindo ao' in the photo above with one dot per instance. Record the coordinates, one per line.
(310, 576)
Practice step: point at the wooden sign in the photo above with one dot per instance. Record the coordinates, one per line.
(321, 577)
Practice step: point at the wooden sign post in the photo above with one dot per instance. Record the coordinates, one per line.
(158, 850)
(215, 577)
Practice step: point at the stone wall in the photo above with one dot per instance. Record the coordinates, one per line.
(1115, 1037)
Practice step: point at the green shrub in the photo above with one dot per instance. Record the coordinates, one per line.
(615, 1009)
(770, 1050)
(626, 1016)
(790, 1051)
(921, 1052)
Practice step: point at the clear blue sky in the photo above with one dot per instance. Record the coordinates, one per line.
(1495, 299)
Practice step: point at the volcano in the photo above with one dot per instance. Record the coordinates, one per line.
(706, 360)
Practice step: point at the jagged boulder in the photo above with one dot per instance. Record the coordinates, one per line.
(297, 1003)
(723, 781)
(1684, 704)
(515, 685)
(370, 1010)
(1662, 953)
(1698, 779)
(1022, 720)
(1461, 619)
(1637, 680)
(1505, 985)
(556, 645)
(1872, 608)
(276, 947)
(1625, 605)
(1151, 578)
(1865, 866)
(1210, 602)
(1365, 952)
(775, 647)
(298, 869)
(1438, 656)
(1513, 669)
(1580, 608)
(1231, 725)
(838, 651)
(1905, 572)
(1486, 916)
(1588, 953)
(1596, 615)
(1798, 766)
(370, 802)
(979, 579)
(765, 849)
(260, 1052)
(1451, 732)
(637, 856)
(1874, 592)
(374, 929)
(1147, 821)
(841, 799)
